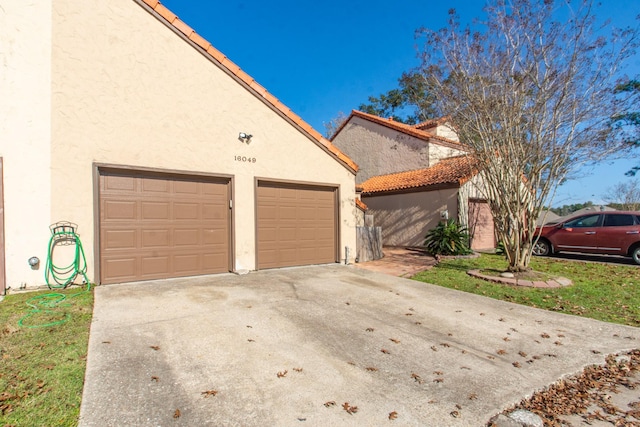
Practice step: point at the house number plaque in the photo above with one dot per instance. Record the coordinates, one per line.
(244, 159)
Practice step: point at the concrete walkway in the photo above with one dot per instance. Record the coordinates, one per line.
(323, 346)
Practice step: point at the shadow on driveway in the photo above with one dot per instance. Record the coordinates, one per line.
(302, 346)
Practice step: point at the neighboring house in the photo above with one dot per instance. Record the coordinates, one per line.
(547, 217)
(413, 176)
(381, 146)
(117, 116)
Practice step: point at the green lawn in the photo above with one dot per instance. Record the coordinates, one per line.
(605, 292)
(42, 367)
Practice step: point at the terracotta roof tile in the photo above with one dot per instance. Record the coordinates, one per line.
(404, 128)
(450, 171)
(431, 123)
(259, 90)
(360, 204)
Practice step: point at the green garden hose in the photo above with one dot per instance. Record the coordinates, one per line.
(44, 307)
(64, 234)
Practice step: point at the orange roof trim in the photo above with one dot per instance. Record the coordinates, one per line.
(407, 129)
(259, 90)
(360, 204)
(450, 171)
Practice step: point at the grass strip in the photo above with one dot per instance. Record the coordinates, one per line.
(42, 367)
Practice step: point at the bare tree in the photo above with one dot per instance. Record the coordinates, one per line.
(332, 126)
(625, 195)
(531, 91)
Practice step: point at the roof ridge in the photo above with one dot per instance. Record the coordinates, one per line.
(173, 20)
(402, 127)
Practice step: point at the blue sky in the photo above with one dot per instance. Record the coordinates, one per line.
(324, 57)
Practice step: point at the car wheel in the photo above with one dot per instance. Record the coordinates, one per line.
(635, 254)
(542, 248)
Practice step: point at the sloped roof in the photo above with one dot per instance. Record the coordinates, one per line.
(453, 171)
(168, 17)
(404, 128)
(430, 123)
(361, 205)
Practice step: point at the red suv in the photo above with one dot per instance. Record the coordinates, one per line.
(616, 233)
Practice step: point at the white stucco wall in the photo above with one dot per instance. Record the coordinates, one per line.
(25, 135)
(439, 152)
(105, 82)
(405, 218)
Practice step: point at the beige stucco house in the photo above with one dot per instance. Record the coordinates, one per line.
(117, 116)
(413, 176)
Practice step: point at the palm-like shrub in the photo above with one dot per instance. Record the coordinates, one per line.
(448, 238)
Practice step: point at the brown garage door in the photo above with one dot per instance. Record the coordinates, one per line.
(155, 226)
(296, 225)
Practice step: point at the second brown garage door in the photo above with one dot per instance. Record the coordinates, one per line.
(296, 225)
(156, 226)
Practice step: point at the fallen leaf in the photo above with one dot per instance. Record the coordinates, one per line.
(282, 374)
(371, 369)
(369, 329)
(472, 396)
(545, 335)
(154, 378)
(501, 351)
(516, 364)
(417, 378)
(393, 415)
(350, 409)
(209, 393)
(329, 403)
(394, 340)
(155, 347)
(455, 414)
(176, 414)
(297, 369)
(522, 353)
(385, 351)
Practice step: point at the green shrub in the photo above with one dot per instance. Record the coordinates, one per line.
(448, 238)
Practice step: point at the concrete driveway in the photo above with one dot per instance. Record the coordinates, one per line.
(280, 347)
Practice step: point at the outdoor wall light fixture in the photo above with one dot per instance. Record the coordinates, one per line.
(34, 261)
(245, 137)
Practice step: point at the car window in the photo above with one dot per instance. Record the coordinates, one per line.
(620, 220)
(584, 221)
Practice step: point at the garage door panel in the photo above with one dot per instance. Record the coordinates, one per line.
(120, 209)
(185, 211)
(186, 237)
(120, 268)
(214, 211)
(119, 183)
(120, 239)
(186, 187)
(293, 223)
(155, 211)
(187, 263)
(162, 226)
(154, 185)
(154, 265)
